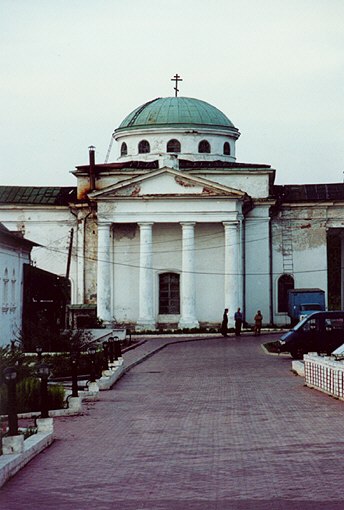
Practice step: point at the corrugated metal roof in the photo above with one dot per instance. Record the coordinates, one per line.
(309, 192)
(140, 165)
(37, 195)
(184, 163)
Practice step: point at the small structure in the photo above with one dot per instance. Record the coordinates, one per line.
(15, 253)
(81, 316)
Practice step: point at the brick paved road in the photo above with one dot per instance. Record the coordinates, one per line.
(214, 424)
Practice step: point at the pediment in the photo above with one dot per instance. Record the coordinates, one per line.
(164, 183)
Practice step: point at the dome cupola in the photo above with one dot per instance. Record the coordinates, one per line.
(185, 127)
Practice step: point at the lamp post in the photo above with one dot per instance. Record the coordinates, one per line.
(43, 371)
(118, 352)
(92, 352)
(74, 362)
(39, 351)
(10, 375)
(111, 341)
(106, 355)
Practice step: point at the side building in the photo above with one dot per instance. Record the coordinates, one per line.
(15, 253)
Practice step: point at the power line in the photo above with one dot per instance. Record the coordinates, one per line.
(214, 273)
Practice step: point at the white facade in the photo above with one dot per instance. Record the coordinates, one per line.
(14, 253)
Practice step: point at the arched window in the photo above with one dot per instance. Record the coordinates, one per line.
(5, 289)
(204, 146)
(173, 146)
(124, 149)
(144, 147)
(285, 283)
(226, 149)
(169, 300)
(13, 288)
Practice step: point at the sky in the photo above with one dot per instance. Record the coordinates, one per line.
(71, 70)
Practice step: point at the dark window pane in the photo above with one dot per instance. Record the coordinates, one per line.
(169, 299)
(173, 146)
(144, 147)
(285, 283)
(124, 149)
(204, 146)
(226, 148)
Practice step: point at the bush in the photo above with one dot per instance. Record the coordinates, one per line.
(28, 394)
(60, 364)
(16, 358)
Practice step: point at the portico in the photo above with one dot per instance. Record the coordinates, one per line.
(182, 224)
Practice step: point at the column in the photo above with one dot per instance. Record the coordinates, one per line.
(241, 255)
(232, 279)
(146, 317)
(104, 273)
(188, 294)
(80, 259)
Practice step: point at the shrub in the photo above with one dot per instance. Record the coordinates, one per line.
(16, 358)
(60, 364)
(28, 394)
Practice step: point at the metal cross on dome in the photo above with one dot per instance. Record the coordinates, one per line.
(176, 78)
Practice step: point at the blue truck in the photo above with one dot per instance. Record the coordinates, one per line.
(304, 302)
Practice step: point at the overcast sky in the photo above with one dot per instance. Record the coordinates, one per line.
(71, 70)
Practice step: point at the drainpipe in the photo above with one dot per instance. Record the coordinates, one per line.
(92, 168)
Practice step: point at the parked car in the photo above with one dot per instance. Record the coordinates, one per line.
(321, 332)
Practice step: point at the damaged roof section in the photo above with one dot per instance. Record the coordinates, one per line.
(141, 165)
(44, 195)
(185, 163)
(309, 192)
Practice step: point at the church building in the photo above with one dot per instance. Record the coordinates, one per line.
(175, 230)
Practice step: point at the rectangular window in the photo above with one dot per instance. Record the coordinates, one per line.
(169, 300)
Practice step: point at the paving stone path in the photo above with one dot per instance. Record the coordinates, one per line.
(202, 425)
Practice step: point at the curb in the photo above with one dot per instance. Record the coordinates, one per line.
(33, 445)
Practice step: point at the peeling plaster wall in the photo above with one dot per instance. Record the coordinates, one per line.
(91, 254)
(256, 185)
(307, 227)
(101, 182)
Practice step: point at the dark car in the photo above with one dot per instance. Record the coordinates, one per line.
(321, 332)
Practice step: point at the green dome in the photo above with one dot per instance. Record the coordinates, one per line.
(185, 112)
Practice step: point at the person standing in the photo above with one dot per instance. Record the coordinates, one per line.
(258, 319)
(224, 325)
(238, 322)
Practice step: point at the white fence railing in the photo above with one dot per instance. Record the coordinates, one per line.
(325, 374)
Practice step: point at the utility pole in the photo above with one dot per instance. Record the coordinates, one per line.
(69, 252)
